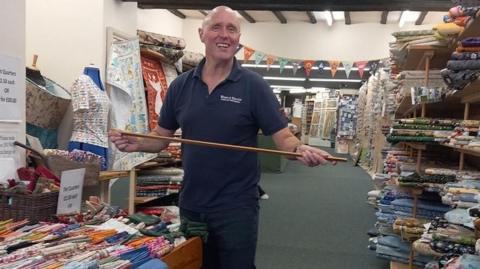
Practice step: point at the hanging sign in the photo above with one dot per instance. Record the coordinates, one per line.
(70, 196)
(10, 69)
(247, 53)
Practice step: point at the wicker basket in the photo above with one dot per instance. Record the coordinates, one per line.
(57, 164)
(34, 207)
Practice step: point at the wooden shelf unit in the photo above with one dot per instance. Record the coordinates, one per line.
(418, 54)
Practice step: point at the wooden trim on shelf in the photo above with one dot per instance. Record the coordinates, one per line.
(465, 150)
(414, 145)
(142, 200)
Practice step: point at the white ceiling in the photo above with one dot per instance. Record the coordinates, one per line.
(298, 16)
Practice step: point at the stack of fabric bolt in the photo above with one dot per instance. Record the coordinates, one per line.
(464, 66)
(421, 130)
(406, 39)
(159, 182)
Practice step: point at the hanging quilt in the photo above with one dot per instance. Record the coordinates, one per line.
(127, 95)
(156, 87)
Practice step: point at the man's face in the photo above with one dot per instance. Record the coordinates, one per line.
(221, 35)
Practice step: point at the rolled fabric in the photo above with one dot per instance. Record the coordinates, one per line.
(161, 40)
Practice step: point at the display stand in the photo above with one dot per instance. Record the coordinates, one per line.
(187, 255)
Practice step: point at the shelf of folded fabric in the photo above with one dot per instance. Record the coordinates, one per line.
(463, 149)
(187, 255)
(472, 29)
(417, 55)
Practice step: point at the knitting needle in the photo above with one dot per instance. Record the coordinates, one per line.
(225, 146)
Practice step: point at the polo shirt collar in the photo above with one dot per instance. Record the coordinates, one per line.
(234, 75)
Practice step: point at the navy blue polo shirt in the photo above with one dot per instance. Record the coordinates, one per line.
(218, 179)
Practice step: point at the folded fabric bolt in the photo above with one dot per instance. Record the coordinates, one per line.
(448, 29)
(465, 55)
(471, 42)
(458, 65)
(467, 49)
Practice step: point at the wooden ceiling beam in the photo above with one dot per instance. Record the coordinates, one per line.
(246, 16)
(177, 13)
(384, 17)
(204, 13)
(303, 5)
(421, 18)
(280, 16)
(348, 20)
(311, 17)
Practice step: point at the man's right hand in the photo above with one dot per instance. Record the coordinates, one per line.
(124, 143)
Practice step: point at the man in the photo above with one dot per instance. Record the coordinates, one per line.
(219, 101)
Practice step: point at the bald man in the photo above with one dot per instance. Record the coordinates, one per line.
(219, 101)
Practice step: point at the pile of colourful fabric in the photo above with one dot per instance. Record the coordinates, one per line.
(159, 182)
(464, 65)
(136, 241)
(421, 130)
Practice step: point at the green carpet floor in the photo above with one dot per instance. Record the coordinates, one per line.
(316, 218)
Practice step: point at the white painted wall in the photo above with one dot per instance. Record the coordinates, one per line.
(12, 19)
(69, 35)
(159, 21)
(66, 34)
(297, 40)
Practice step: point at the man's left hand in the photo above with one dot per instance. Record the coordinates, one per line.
(312, 156)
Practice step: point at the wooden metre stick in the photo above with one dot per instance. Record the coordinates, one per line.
(225, 146)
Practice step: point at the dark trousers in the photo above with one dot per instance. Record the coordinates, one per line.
(232, 237)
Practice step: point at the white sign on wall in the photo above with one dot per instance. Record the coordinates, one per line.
(10, 68)
(70, 196)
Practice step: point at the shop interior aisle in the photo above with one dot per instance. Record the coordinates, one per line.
(316, 218)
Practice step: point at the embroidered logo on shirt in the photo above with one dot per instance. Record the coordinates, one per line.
(230, 99)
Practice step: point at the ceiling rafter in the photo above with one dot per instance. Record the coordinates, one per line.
(384, 17)
(204, 13)
(177, 13)
(280, 16)
(246, 16)
(348, 20)
(303, 5)
(421, 18)
(311, 17)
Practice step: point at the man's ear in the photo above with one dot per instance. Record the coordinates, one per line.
(200, 34)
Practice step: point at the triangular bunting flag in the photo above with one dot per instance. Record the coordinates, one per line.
(295, 65)
(373, 65)
(282, 62)
(361, 67)
(247, 53)
(321, 65)
(270, 61)
(333, 67)
(307, 65)
(348, 67)
(258, 56)
(240, 46)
